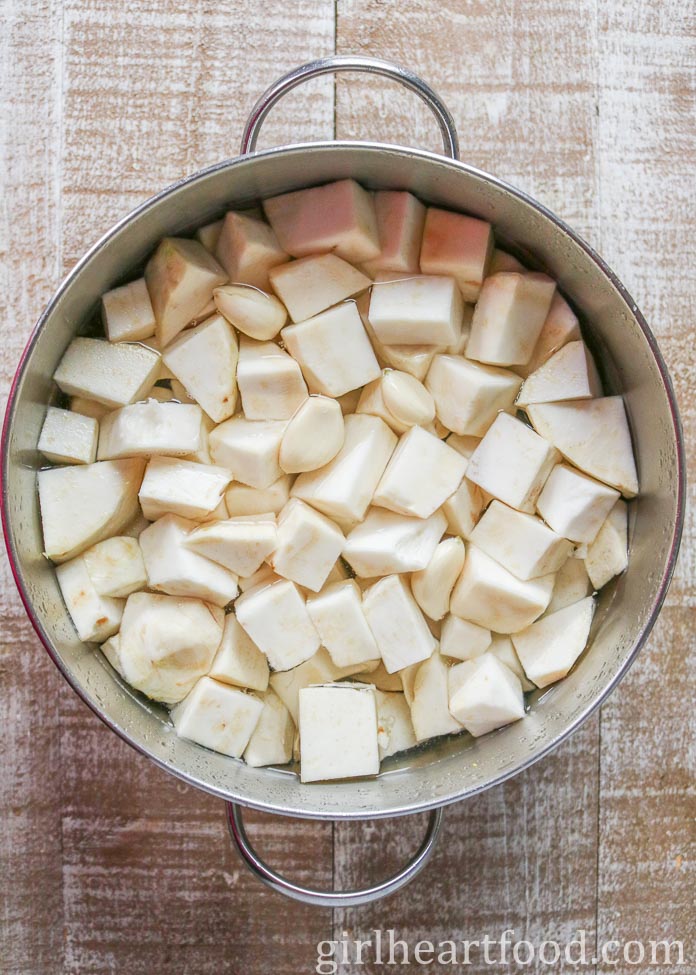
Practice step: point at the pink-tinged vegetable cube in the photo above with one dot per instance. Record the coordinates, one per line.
(400, 220)
(459, 246)
(561, 326)
(247, 248)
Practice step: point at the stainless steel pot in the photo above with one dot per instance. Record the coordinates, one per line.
(449, 769)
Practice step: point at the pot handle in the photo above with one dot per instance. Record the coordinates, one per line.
(335, 898)
(336, 64)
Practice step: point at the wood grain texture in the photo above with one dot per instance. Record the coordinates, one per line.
(107, 865)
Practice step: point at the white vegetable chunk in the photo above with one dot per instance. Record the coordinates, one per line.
(96, 617)
(313, 284)
(81, 505)
(432, 586)
(412, 359)
(318, 669)
(574, 504)
(111, 650)
(249, 449)
(270, 381)
(509, 316)
(238, 660)
(345, 486)
(468, 396)
(175, 486)
(561, 326)
(253, 312)
(487, 594)
(240, 544)
(458, 245)
(397, 623)
(400, 219)
(307, 545)
(593, 435)
(463, 508)
(522, 543)
(429, 702)
(568, 374)
(313, 437)
(338, 217)
(181, 276)
(68, 438)
(247, 249)
(338, 732)
(572, 584)
(148, 428)
(276, 618)
(512, 463)
(240, 499)
(387, 542)
(127, 313)
(607, 556)
(204, 360)
(112, 374)
(503, 648)
(272, 738)
(485, 694)
(174, 569)
(548, 648)
(167, 643)
(421, 474)
(462, 639)
(337, 614)
(416, 310)
(217, 716)
(209, 234)
(394, 726)
(116, 566)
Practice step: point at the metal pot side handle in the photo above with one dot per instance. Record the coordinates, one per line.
(336, 64)
(336, 898)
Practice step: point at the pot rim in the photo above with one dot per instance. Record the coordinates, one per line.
(591, 254)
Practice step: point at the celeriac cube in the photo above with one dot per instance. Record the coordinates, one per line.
(249, 449)
(404, 488)
(96, 617)
(287, 684)
(503, 648)
(429, 701)
(238, 660)
(400, 219)
(463, 640)
(276, 618)
(68, 437)
(433, 585)
(204, 360)
(338, 732)
(150, 428)
(343, 488)
(167, 643)
(172, 485)
(240, 544)
(240, 499)
(333, 350)
(468, 396)
(509, 316)
(412, 359)
(463, 508)
(416, 310)
(313, 436)
(512, 463)
(487, 594)
(116, 566)
(568, 374)
(313, 284)
(270, 381)
(561, 326)
(397, 623)
(181, 276)
(113, 374)
(111, 650)
(386, 543)
(338, 616)
(394, 726)
(127, 313)
(502, 261)
(209, 235)
(607, 556)
(458, 245)
(484, 694)
(575, 505)
(81, 505)
(254, 312)
(338, 217)
(593, 435)
(522, 543)
(217, 716)
(247, 249)
(548, 648)
(87, 407)
(272, 739)
(174, 569)
(572, 584)
(307, 545)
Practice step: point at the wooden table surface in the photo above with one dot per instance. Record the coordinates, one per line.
(108, 864)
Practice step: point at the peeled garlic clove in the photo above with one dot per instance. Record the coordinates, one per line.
(433, 585)
(407, 399)
(254, 312)
(313, 436)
